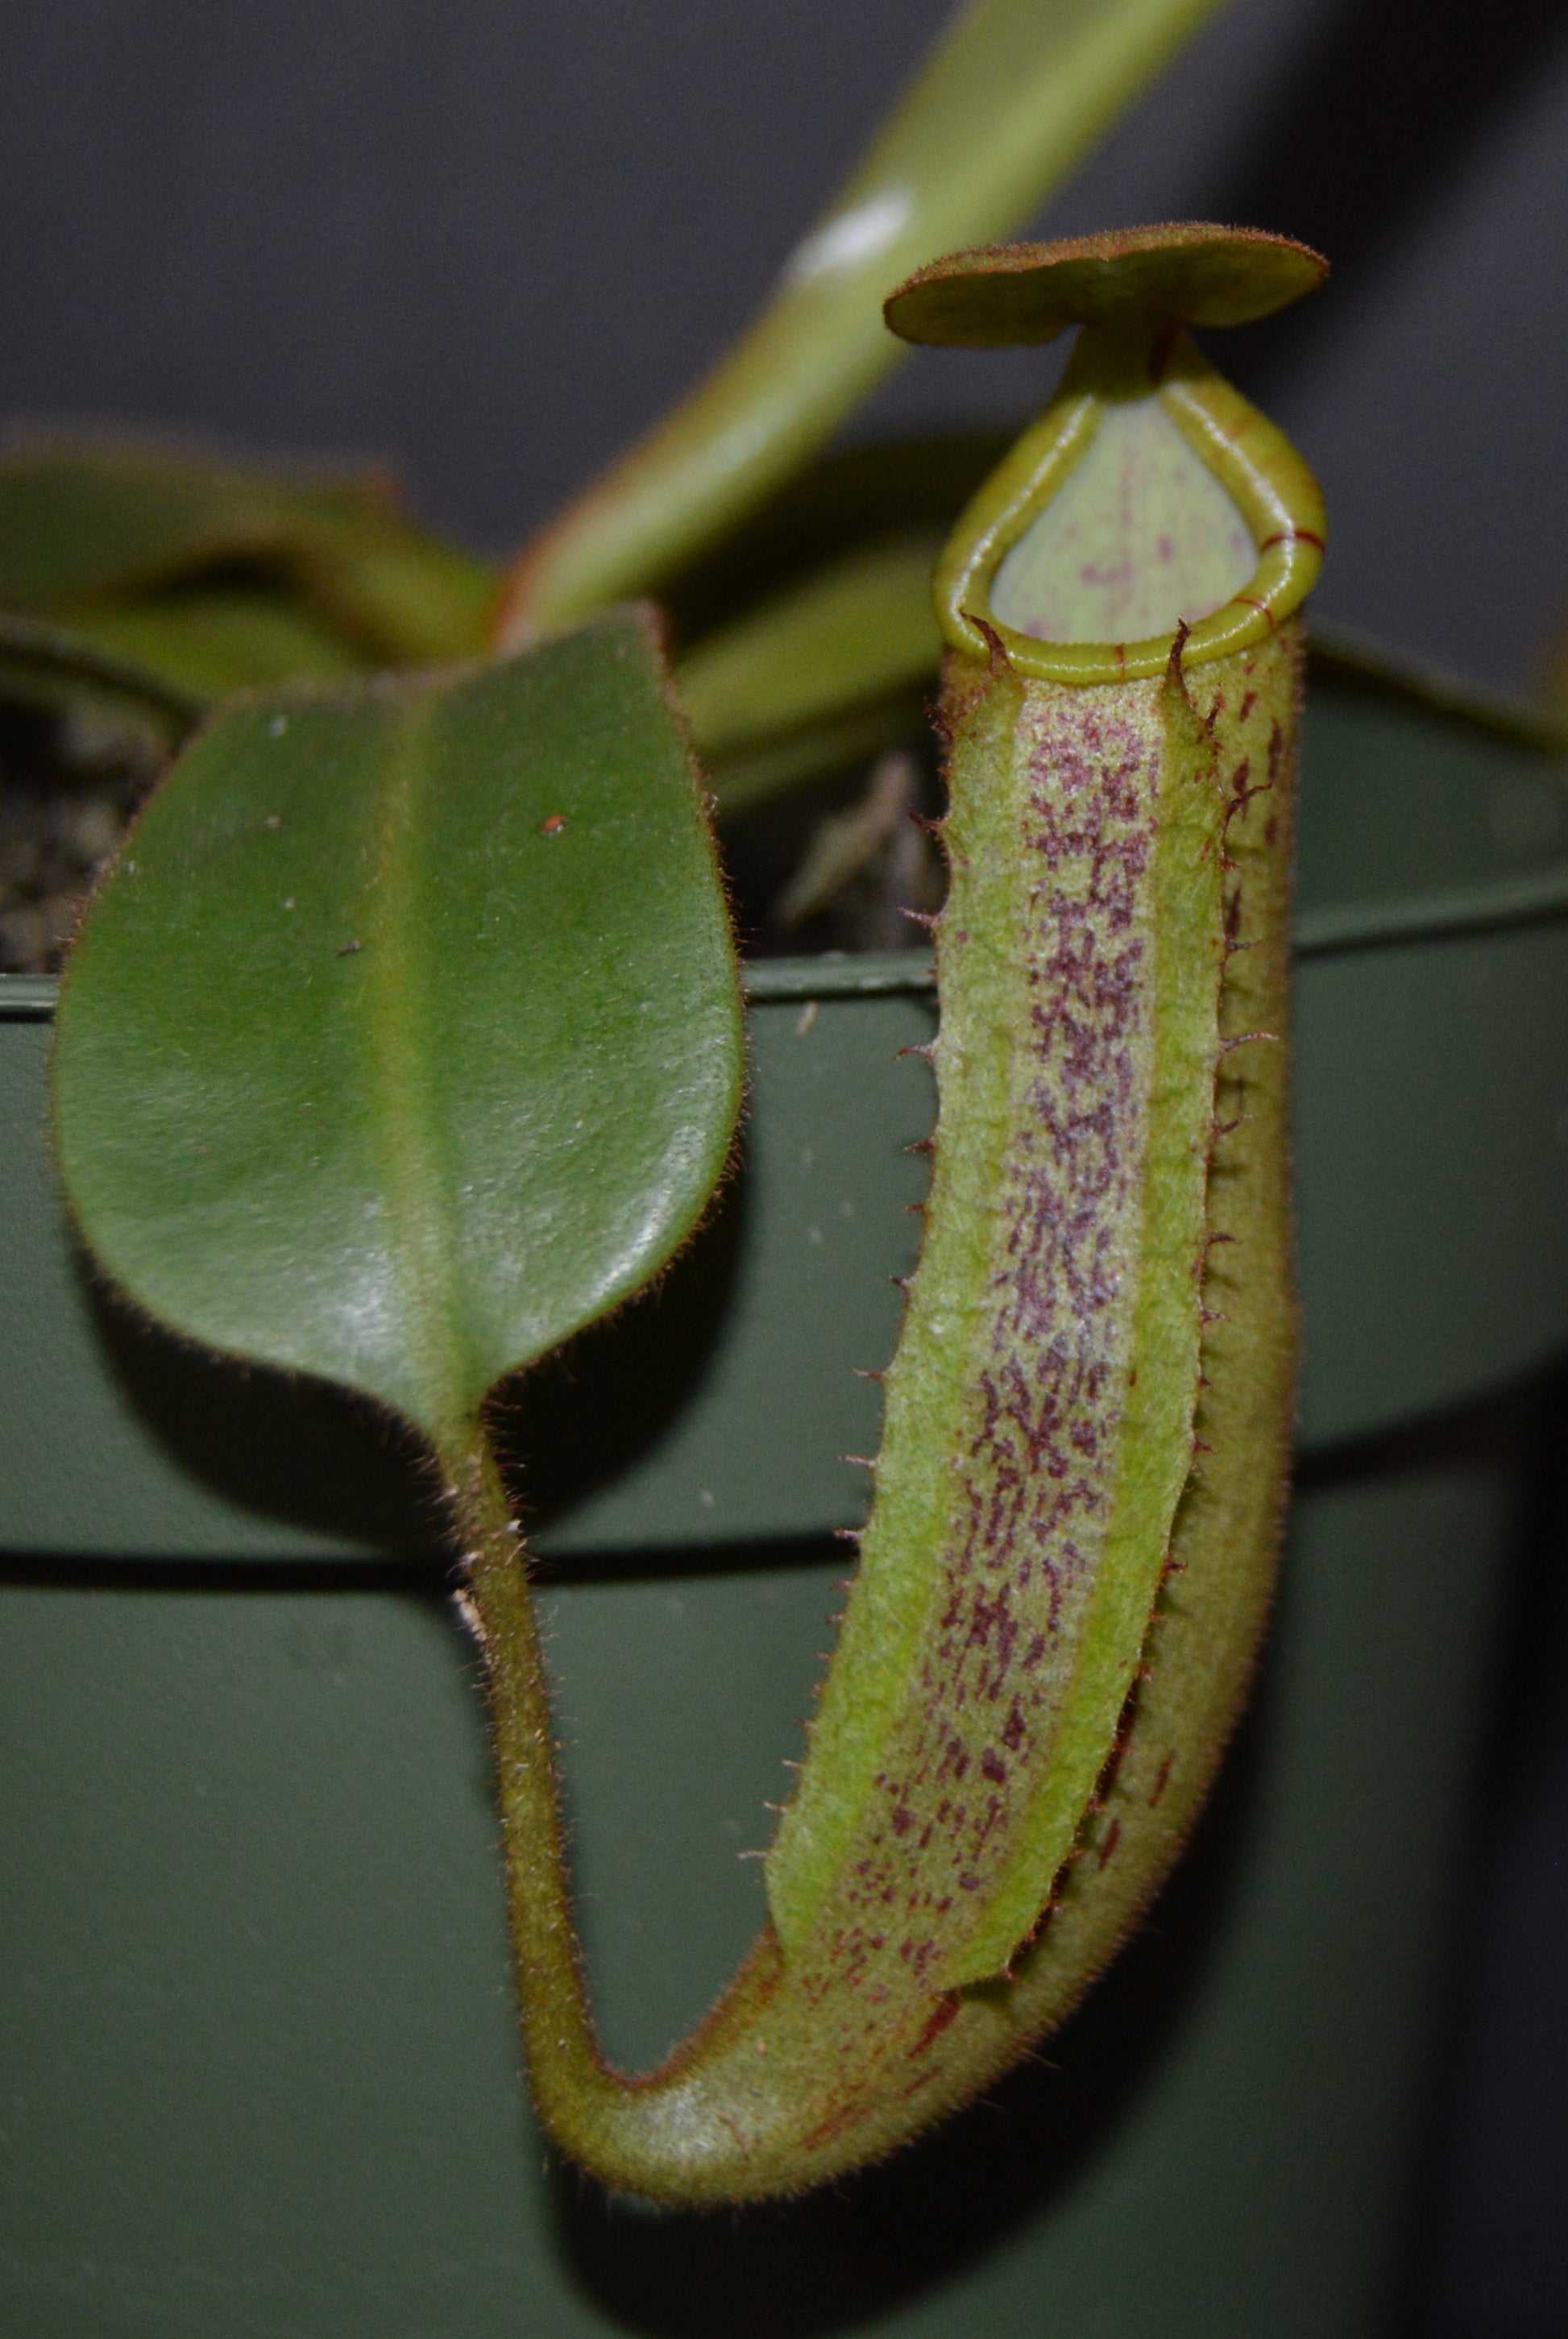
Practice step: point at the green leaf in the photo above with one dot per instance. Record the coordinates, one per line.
(98, 516)
(760, 769)
(53, 666)
(96, 520)
(404, 1038)
(859, 628)
(214, 639)
(408, 598)
(1011, 101)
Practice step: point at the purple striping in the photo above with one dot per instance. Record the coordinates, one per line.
(1033, 1502)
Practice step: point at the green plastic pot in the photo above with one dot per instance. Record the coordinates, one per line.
(261, 2075)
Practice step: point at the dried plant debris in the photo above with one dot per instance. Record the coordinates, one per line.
(846, 862)
(69, 782)
(874, 863)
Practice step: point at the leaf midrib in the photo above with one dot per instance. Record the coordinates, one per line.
(405, 1119)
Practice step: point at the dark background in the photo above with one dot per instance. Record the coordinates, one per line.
(493, 239)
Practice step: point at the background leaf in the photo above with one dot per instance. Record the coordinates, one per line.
(404, 1038)
(859, 632)
(93, 525)
(54, 667)
(215, 640)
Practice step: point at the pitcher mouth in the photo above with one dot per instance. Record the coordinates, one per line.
(1270, 487)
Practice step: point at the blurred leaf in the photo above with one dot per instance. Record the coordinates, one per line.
(404, 1037)
(51, 667)
(214, 641)
(411, 598)
(95, 520)
(93, 517)
(752, 774)
(1011, 99)
(857, 630)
